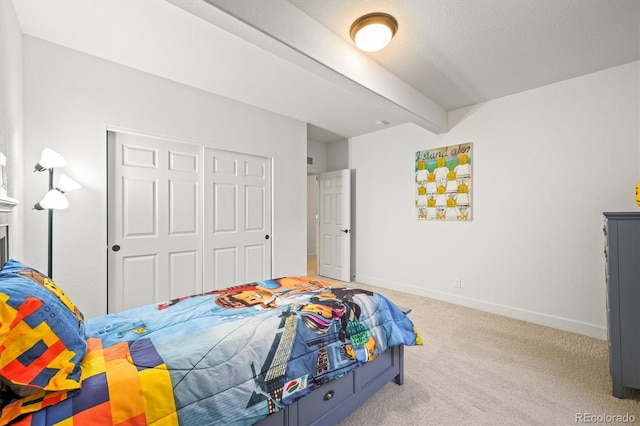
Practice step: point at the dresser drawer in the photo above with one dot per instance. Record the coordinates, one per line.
(325, 398)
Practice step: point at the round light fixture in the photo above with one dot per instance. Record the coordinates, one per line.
(373, 31)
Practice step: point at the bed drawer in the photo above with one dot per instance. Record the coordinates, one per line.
(324, 399)
(343, 395)
(382, 364)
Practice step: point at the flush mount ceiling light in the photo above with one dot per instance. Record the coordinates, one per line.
(373, 31)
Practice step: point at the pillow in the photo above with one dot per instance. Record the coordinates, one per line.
(42, 340)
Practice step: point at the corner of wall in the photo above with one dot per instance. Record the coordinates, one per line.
(12, 119)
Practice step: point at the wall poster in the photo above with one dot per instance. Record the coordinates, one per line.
(443, 183)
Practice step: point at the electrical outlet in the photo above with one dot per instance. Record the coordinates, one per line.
(457, 282)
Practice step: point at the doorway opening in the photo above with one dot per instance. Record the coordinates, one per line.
(312, 225)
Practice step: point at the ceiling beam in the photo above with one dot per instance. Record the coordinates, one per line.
(291, 34)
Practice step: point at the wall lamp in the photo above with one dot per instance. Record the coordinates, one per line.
(373, 31)
(54, 199)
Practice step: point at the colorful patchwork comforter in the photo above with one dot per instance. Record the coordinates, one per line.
(227, 357)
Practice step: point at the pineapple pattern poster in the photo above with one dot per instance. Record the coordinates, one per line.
(443, 183)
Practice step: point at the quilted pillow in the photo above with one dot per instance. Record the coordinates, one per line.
(42, 340)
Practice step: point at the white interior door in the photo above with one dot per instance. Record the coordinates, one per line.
(334, 225)
(237, 223)
(155, 220)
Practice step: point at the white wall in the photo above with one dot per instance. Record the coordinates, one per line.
(317, 151)
(546, 164)
(11, 119)
(338, 155)
(71, 99)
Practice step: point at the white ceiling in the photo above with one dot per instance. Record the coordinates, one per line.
(295, 57)
(463, 52)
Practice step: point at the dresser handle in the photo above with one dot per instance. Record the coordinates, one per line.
(329, 395)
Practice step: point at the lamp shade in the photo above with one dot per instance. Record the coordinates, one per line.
(374, 31)
(66, 184)
(53, 200)
(50, 159)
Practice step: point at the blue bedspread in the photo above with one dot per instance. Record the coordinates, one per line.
(227, 357)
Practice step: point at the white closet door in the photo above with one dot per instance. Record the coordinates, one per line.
(155, 220)
(237, 222)
(334, 224)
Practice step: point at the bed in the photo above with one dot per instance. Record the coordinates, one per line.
(293, 350)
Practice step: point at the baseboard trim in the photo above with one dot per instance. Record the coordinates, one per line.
(561, 323)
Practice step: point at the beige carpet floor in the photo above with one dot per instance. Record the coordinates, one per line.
(477, 368)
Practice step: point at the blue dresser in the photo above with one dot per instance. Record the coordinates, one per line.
(622, 254)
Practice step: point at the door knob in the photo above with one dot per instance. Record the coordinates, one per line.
(115, 248)
(346, 231)
(266, 237)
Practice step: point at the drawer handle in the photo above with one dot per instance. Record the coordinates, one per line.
(329, 395)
